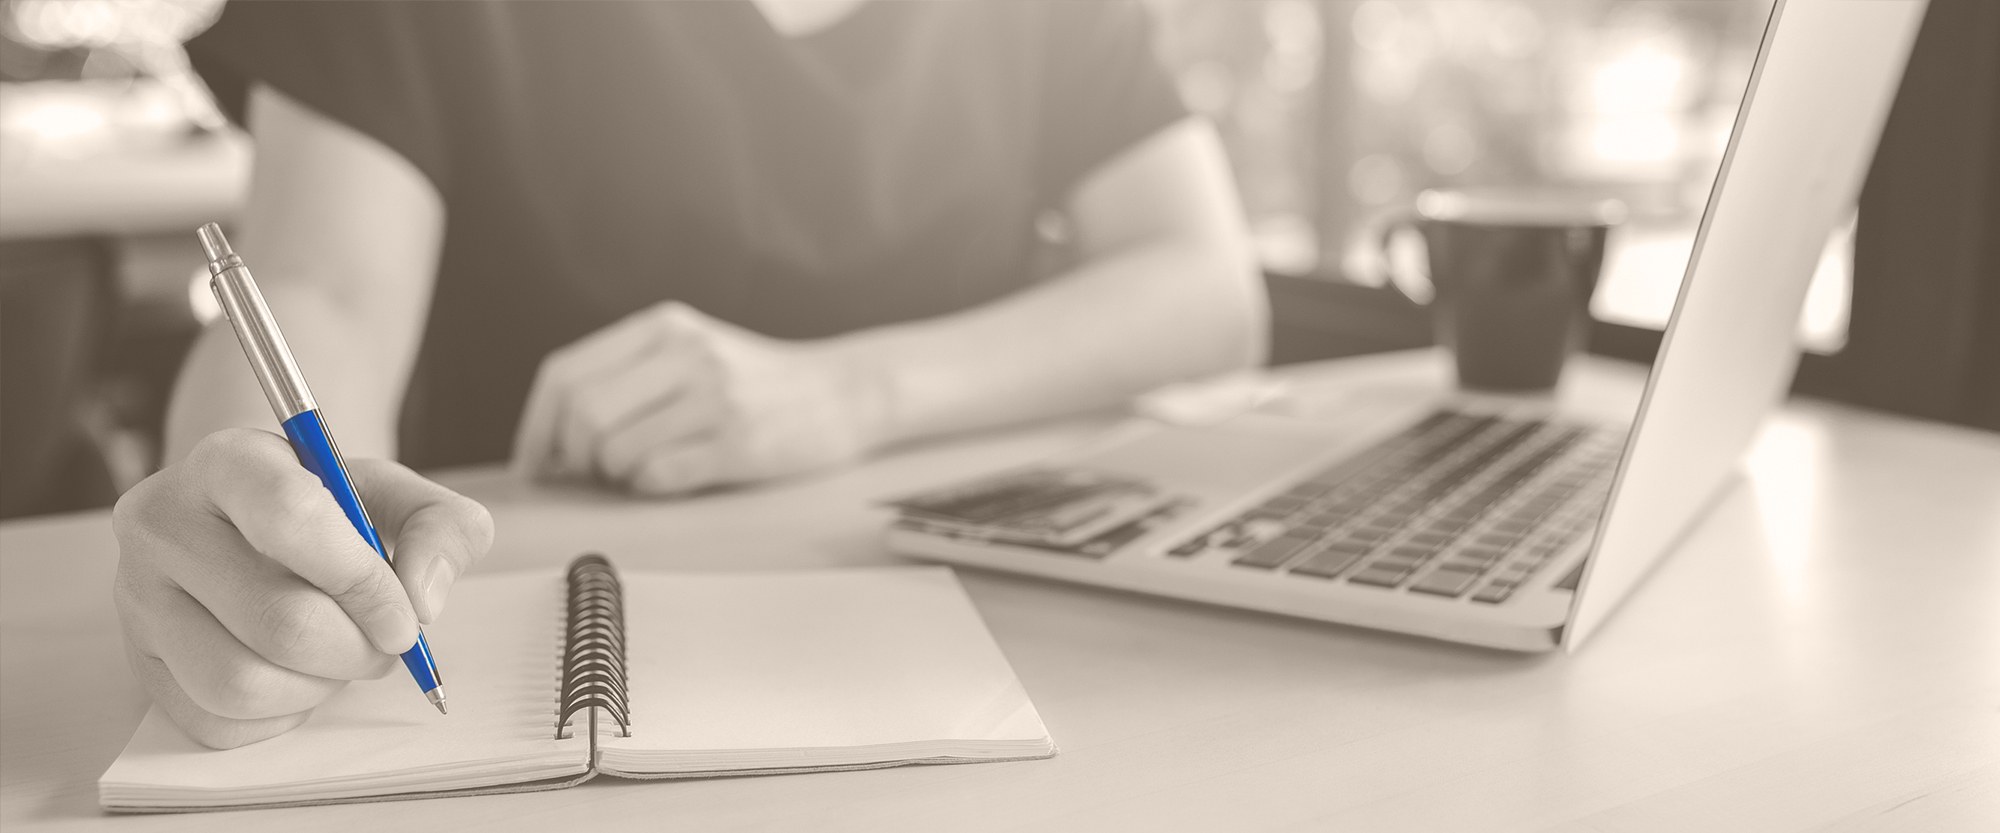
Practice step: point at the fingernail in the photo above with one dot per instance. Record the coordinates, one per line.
(432, 589)
(393, 627)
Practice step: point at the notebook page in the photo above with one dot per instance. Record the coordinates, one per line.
(844, 659)
(497, 647)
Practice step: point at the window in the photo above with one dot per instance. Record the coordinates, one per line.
(1336, 114)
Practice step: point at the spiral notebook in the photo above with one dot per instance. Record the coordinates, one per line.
(556, 679)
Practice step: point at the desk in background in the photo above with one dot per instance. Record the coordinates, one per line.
(1823, 652)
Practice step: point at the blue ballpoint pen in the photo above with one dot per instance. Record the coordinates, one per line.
(278, 374)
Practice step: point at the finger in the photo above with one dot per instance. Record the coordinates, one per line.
(439, 533)
(592, 406)
(171, 539)
(679, 470)
(601, 406)
(210, 730)
(219, 673)
(267, 607)
(693, 418)
(253, 480)
(600, 399)
(535, 439)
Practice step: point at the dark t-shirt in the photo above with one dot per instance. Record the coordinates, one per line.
(596, 158)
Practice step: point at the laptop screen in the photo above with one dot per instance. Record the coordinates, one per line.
(1818, 95)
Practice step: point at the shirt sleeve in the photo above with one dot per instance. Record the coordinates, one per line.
(364, 64)
(1105, 91)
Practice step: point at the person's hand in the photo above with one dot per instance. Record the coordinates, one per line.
(247, 597)
(670, 400)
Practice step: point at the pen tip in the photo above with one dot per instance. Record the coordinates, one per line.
(436, 696)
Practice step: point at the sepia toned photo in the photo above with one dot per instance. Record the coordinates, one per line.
(985, 415)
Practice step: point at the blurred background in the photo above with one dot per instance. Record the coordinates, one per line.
(1335, 115)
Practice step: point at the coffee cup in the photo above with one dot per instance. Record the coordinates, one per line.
(1510, 277)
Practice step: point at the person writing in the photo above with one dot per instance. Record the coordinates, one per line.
(663, 247)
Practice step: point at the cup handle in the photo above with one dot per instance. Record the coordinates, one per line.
(1418, 286)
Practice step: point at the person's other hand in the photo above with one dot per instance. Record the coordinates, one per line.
(670, 400)
(247, 597)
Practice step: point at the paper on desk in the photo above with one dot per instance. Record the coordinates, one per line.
(771, 669)
(382, 735)
(1210, 401)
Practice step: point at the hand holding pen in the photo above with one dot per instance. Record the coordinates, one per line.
(247, 594)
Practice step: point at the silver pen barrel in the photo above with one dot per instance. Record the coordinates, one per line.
(263, 344)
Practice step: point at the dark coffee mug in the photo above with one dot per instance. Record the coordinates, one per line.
(1512, 273)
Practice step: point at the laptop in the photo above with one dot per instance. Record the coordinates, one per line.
(1484, 520)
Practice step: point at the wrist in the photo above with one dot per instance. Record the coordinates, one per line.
(866, 379)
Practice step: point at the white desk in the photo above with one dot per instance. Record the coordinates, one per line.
(1823, 652)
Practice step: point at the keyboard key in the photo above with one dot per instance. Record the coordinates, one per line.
(1468, 560)
(1352, 497)
(1459, 516)
(1396, 520)
(1354, 547)
(1342, 512)
(1188, 548)
(1443, 582)
(1538, 505)
(1318, 527)
(1328, 563)
(1327, 520)
(1379, 576)
(1385, 523)
(1473, 568)
(1393, 518)
(1401, 565)
(1437, 526)
(1484, 553)
(1309, 490)
(1493, 594)
(1548, 547)
(1451, 527)
(1533, 515)
(1431, 539)
(1275, 552)
(1417, 552)
(1283, 504)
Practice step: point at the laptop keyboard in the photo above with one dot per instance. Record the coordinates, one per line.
(1457, 505)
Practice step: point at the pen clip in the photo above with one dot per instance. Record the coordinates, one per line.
(256, 329)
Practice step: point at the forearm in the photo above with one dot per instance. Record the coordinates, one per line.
(1152, 313)
(359, 380)
(343, 235)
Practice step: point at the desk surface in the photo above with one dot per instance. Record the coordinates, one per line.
(1822, 652)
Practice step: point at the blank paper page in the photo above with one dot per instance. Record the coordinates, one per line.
(814, 660)
(497, 647)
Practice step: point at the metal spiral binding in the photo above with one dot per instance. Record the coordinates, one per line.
(593, 662)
